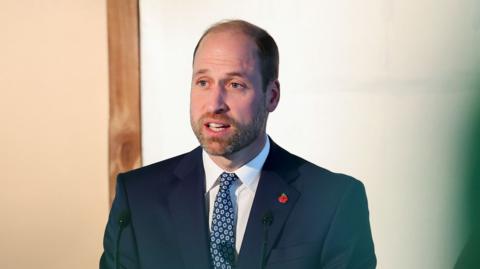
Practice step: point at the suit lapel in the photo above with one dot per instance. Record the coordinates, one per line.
(187, 207)
(279, 169)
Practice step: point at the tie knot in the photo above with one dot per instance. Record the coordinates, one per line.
(226, 179)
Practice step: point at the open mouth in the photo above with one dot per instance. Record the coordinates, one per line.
(217, 127)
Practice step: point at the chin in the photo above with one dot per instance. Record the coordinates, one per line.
(217, 148)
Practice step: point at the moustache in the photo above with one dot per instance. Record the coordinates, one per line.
(220, 117)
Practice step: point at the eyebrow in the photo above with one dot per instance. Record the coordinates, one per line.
(201, 71)
(236, 74)
(230, 74)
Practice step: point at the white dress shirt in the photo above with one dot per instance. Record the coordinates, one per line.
(242, 191)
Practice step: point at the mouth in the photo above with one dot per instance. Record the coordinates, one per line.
(217, 127)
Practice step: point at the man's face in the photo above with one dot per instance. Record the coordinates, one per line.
(228, 108)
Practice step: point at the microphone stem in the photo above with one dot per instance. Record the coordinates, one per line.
(117, 252)
(123, 221)
(264, 245)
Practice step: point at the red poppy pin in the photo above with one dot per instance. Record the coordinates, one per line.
(283, 198)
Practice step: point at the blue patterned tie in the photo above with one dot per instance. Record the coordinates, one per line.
(222, 236)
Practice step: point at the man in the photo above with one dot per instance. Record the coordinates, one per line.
(239, 200)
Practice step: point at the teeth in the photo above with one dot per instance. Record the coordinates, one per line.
(215, 125)
(216, 129)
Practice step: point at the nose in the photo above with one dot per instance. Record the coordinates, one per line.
(216, 102)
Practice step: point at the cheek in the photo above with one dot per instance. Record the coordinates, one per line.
(245, 113)
(195, 104)
(194, 114)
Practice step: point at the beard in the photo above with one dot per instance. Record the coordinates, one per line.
(243, 134)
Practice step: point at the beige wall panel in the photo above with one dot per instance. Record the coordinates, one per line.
(54, 140)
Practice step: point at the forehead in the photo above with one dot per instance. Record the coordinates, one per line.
(226, 49)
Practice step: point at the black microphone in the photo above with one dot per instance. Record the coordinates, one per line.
(267, 221)
(123, 221)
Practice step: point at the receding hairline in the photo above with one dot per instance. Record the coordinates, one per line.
(230, 26)
(238, 35)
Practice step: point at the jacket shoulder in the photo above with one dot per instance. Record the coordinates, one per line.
(324, 174)
(162, 168)
(290, 161)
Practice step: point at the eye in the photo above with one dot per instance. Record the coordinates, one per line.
(236, 85)
(202, 83)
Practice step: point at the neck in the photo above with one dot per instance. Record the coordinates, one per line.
(237, 159)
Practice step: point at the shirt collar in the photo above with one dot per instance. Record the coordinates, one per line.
(248, 174)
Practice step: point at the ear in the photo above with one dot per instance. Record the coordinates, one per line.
(272, 95)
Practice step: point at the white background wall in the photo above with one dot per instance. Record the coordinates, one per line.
(381, 90)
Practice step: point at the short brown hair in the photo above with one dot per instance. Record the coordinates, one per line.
(267, 48)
